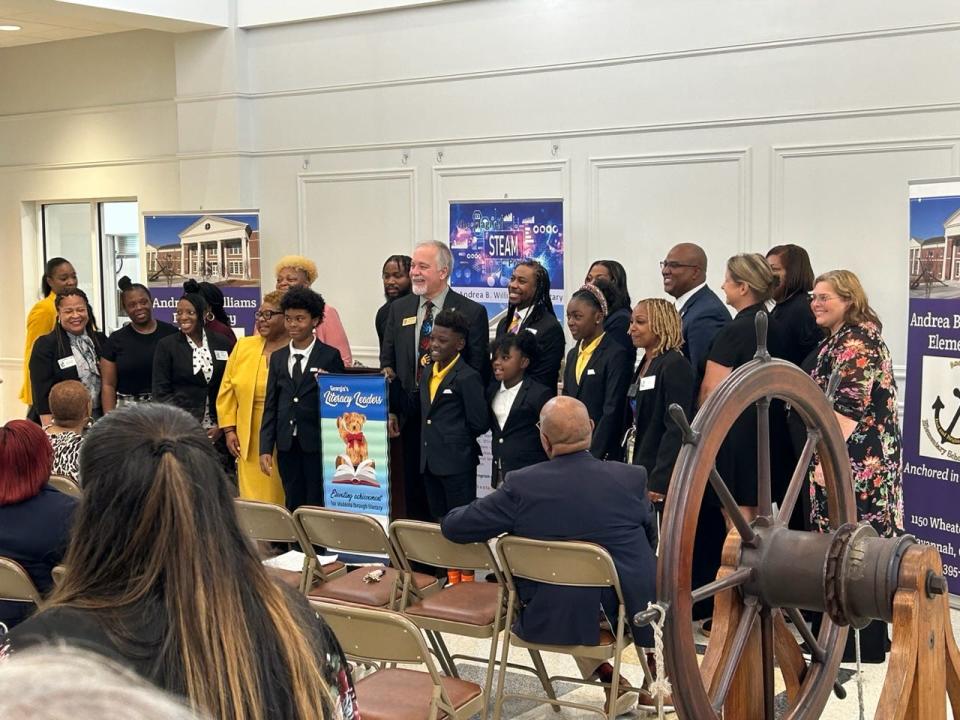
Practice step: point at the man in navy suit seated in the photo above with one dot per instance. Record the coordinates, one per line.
(571, 496)
(684, 274)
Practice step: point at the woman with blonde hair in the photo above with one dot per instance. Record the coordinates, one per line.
(161, 578)
(298, 271)
(243, 391)
(663, 377)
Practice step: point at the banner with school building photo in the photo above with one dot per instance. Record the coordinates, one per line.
(354, 444)
(931, 419)
(222, 248)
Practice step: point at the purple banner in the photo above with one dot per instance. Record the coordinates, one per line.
(931, 418)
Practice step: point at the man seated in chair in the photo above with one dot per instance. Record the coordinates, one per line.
(572, 496)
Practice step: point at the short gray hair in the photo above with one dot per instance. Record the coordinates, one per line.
(57, 682)
(444, 256)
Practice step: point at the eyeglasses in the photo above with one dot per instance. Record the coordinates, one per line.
(537, 426)
(673, 265)
(266, 314)
(821, 298)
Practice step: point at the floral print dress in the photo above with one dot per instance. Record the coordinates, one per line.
(868, 394)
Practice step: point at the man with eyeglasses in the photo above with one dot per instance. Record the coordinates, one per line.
(702, 313)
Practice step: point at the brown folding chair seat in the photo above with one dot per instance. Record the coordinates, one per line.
(66, 485)
(377, 635)
(16, 585)
(266, 522)
(357, 533)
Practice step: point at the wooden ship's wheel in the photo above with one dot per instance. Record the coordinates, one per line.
(769, 571)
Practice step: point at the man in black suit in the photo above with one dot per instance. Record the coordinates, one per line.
(684, 274)
(405, 356)
(291, 410)
(573, 496)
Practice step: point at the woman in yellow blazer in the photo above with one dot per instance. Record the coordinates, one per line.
(240, 401)
(58, 275)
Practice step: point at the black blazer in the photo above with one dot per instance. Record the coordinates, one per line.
(799, 330)
(517, 443)
(669, 380)
(45, 370)
(398, 349)
(550, 342)
(572, 497)
(174, 381)
(451, 424)
(287, 406)
(702, 316)
(603, 389)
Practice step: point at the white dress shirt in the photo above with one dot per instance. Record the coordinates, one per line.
(306, 352)
(503, 402)
(682, 300)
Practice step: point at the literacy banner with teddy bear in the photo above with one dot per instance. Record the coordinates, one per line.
(353, 435)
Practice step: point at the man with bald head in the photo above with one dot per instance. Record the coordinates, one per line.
(702, 313)
(571, 496)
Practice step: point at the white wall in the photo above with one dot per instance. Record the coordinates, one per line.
(737, 125)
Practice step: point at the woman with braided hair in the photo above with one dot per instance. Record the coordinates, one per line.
(663, 377)
(530, 309)
(597, 371)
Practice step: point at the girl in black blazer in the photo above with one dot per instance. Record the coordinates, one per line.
(188, 366)
(664, 377)
(597, 371)
(518, 399)
(70, 352)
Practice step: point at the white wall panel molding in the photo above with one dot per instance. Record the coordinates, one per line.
(367, 355)
(740, 157)
(588, 64)
(88, 110)
(780, 155)
(349, 176)
(86, 165)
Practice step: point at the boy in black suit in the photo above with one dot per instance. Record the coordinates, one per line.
(291, 411)
(453, 415)
(515, 404)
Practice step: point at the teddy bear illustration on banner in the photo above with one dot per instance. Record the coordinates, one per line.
(354, 466)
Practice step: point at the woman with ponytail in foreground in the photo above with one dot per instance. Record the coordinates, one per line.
(161, 579)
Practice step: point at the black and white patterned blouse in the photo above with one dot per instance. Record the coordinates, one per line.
(66, 454)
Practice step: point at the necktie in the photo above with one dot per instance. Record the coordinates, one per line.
(297, 368)
(514, 324)
(423, 344)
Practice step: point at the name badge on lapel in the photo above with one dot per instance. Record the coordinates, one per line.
(67, 362)
(220, 354)
(647, 383)
(412, 320)
(591, 371)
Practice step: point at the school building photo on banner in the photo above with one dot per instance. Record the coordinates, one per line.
(218, 248)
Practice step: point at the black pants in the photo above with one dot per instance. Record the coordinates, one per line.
(446, 492)
(414, 494)
(302, 476)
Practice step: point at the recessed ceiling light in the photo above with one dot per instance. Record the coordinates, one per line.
(10, 28)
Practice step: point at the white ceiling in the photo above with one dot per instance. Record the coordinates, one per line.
(51, 20)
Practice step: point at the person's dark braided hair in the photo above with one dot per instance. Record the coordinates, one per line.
(192, 294)
(402, 261)
(89, 330)
(541, 304)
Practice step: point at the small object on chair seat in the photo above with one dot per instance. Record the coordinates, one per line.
(374, 575)
(351, 587)
(398, 694)
(475, 604)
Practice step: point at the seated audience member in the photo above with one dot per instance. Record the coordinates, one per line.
(291, 409)
(791, 266)
(515, 404)
(573, 496)
(34, 517)
(71, 407)
(216, 319)
(64, 683)
(161, 579)
(454, 414)
(617, 321)
(298, 271)
(531, 309)
(396, 284)
(663, 378)
(597, 371)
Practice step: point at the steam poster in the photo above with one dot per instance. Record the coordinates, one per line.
(488, 239)
(931, 418)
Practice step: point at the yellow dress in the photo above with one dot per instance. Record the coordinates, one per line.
(41, 320)
(243, 391)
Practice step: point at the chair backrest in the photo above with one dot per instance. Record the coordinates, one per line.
(558, 562)
(344, 531)
(68, 486)
(58, 573)
(16, 584)
(424, 542)
(270, 523)
(374, 634)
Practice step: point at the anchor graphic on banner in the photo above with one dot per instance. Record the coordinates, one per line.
(946, 435)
